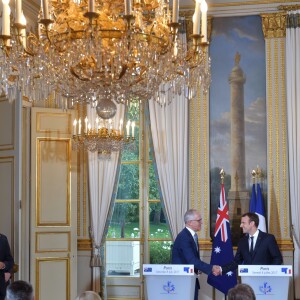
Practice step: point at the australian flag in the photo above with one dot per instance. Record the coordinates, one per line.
(222, 252)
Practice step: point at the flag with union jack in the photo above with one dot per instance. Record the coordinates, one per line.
(222, 252)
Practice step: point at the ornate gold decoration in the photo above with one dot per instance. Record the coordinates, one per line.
(88, 49)
(84, 244)
(278, 197)
(285, 183)
(289, 7)
(274, 25)
(101, 136)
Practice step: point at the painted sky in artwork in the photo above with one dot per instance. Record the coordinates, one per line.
(229, 36)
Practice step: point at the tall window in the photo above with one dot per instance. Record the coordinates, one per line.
(138, 231)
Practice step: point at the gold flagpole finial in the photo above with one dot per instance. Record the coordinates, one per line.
(253, 173)
(222, 174)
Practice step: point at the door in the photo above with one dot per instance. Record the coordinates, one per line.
(53, 250)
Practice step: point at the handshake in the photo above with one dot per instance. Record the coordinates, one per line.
(217, 270)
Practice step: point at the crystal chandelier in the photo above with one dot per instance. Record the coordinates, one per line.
(100, 136)
(88, 50)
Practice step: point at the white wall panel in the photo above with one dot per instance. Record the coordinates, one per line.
(52, 242)
(48, 285)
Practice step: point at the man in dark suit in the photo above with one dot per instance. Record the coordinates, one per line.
(6, 264)
(256, 247)
(186, 247)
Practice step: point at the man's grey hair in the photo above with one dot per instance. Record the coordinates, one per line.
(241, 292)
(190, 215)
(19, 290)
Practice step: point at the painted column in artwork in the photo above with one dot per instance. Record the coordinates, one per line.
(237, 81)
(238, 196)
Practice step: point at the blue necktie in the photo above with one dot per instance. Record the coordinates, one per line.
(196, 240)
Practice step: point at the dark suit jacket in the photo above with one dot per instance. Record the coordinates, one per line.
(184, 251)
(7, 259)
(266, 252)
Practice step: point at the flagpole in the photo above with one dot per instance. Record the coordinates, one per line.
(253, 173)
(252, 203)
(222, 174)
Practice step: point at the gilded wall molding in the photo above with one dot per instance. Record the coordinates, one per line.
(52, 241)
(7, 206)
(243, 3)
(192, 138)
(278, 195)
(62, 264)
(84, 244)
(199, 159)
(7, 121)
(50, 150)
(83, 219)
(285, 245)
(274, 25)
(289, 7)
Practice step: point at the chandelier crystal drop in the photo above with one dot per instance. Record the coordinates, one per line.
(87, 49)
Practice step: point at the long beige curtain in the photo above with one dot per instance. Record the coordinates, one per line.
(169, 128)
(102, 176)
(293, 111)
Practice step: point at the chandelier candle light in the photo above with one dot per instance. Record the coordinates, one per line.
(127, 50)
(101, 136)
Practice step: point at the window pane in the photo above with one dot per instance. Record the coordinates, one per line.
(159, 228)
(134, 111)
(131, 152)
(160, 252)
(153, 186)
(128, 187)
(123, 258)
(125, 221)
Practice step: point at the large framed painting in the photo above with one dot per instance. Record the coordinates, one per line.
(238, 134)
